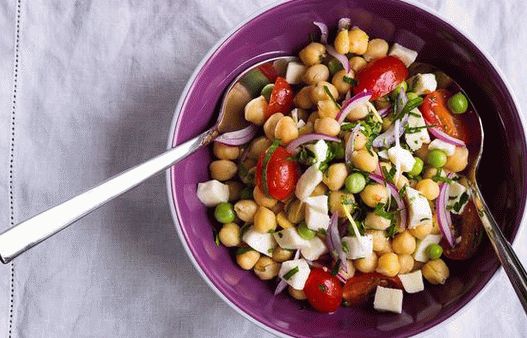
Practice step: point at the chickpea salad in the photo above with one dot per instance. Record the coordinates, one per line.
(348, 184)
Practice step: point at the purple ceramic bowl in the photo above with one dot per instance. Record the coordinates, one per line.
(283, 30)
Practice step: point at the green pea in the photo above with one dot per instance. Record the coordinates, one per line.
(224, 213)
(305, 232)
(411, 96)
(267, 90)
(355, 183)
(458, 103)
(417, 168)
(434, 251)
(246, 193)
(396, 90)
(436, 158)
(338, 150)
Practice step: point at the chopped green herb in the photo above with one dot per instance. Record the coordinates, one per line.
(389, 175)
(323, 288)
(413, 130)
(216, 238)
(336, 268)
(328, 92)
(270, 250)
(459, 204)
(438, 178)
(291, 273)
(414, 114)
(243, 250)
(409, 106)
(345, 247)
(280, 234)
(402, 192)
(380, 211)
(349, 80)
(392, 230)
(424, 219)
(305, 156)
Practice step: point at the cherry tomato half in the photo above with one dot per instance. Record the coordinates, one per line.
(323, 291)
(381, 76)
(281, 100)
(359, 287)
(471, 231)
(281, 173)
(435, 111)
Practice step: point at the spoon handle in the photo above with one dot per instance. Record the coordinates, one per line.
(31, 232)
(508, 259)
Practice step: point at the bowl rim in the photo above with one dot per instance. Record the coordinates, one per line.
(182, 99)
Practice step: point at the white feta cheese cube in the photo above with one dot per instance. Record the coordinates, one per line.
(262, 242)
(295, 273)
(406, 55)
(320, 149)
(387, 299)
(308, 182)
(383, 154)
(420, 250)
(419, 211)
(448, 148)
(422, 84)
(294, 72)
(458, 197)
(357, 247)
(416, 135)
(213, 192)
(316, 212)
(290, 239)
(412, 282)
(316, 248)
(403, 157)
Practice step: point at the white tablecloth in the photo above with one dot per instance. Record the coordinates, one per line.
(87, 89)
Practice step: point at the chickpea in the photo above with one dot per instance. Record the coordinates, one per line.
(313, 117)
(435, 225)
(303, 98)
(350, 269)
(374, 221)
(342, 42)
(225, 152)
(270, 125)
(338, 81)
(327, 108)
(374, 194)
(421, 231)
(339, 200)
(320, 189)
(459, 161)
(335, 176)
(248, 178)
(266, 269)
(281, 219)
(264, 220)
(377, 48)
(295, 211)
(381, 243)
(281, 255)
(229, 235)
(387, 123)
(319, 94)
(296, 294)
(422, 152)
(262, 200)
(222, 170)
(235, 189)
(258, 146)
(404, 243)
(286, 130)
(327, 126)
(278, 208)
(388, 264)
(306, 129)
(357, 63)
(255, 110)
(359, 112)
(406, 262)
(315, 74)
(312, 54)
(360, 140)
(431, 172)
(247, 259)
(358, 41)
(435, 271)
(428, 188)
(366, 264)
(245, 210)
(364, 160)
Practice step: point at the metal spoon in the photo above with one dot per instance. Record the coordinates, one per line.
(31, 232)
(506, 255)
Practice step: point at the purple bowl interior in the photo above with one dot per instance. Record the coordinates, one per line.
(283, 30)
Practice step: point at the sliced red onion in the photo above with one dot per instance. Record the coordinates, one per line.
(395, 194)
(378, 170)
(323, 31)
(344, 23)
(341, 278)
(439, 134)
(282, 284)
(333, 239)
(383, 112)
(443, 214)
(343, 59)
(348, 105)
(292, 146)
(238, 137)
(350, 145)
(348, 95)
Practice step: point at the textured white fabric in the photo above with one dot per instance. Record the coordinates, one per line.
(96, 84)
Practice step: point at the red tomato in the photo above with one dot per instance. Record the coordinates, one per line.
(269, 71)
(323, 291)
(281, 174)
(358, 288)
(381, 76)
(435, 112)
(471, 232)
(281, 100)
